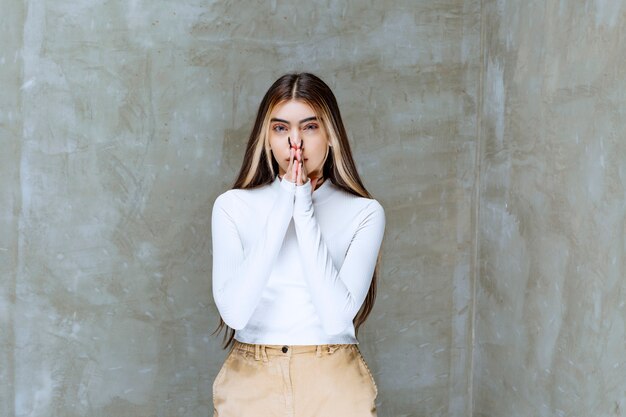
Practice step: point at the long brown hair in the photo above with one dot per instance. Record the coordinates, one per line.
(259, 167)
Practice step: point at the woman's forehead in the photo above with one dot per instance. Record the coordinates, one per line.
(293, 110)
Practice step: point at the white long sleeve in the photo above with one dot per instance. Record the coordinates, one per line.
(337, 293)
(239, 274)
(293, 267)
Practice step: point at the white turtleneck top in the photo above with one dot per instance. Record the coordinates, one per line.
(291, 267)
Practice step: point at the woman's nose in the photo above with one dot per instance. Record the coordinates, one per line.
(295, 141)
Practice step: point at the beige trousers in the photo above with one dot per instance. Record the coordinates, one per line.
(294, 381)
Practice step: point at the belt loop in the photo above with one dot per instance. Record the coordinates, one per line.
(264, 352)
(256, 351)
(318, 351)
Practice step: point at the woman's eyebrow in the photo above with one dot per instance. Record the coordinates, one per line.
(308, 119)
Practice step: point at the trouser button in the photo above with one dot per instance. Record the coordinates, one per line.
(285, 349)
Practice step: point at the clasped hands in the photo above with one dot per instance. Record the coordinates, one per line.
(296, 171)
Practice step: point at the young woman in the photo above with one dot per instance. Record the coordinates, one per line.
(296, 249)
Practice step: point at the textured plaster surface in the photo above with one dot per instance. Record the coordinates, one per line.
(10, 134)
(551, 296)
(491, 133)
(123, 120)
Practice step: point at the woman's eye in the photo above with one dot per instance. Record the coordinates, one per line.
(279, 128)
(310, 127)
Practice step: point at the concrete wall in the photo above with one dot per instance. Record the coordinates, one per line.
(551, 298)
(490, 131)
(11, 29)
(122, 121)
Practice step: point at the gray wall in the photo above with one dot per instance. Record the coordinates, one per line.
(129, 118)
(551, 295)
(490, 132)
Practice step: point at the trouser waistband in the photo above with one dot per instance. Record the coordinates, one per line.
(264, 351)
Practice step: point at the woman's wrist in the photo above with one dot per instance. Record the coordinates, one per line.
(308, 181)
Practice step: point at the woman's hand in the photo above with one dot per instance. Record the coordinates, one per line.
(291, 173)
(296, 171)
(302, 175)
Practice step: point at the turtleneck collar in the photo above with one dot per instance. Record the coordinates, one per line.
(320, 195)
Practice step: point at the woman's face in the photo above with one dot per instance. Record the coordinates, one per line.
(297, 120)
